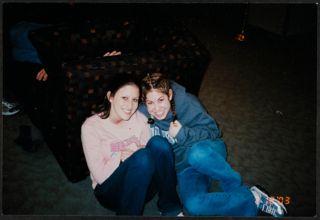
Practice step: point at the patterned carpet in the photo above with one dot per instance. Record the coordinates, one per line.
(262, 93)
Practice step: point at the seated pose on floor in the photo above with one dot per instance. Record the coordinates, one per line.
(200, 153)
(128, 168)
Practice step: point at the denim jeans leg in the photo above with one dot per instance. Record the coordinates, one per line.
(125, 190)
(193, 188)
(165, 176)
(209, 157)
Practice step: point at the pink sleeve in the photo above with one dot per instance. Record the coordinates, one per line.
(100, 168)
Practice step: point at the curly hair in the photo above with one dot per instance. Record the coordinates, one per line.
(160, 82)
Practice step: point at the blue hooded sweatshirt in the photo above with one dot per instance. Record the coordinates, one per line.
(196, 123)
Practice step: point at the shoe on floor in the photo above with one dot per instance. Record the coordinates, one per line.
(9, 108)
(172, 214)
(269, 205)
(180, 214)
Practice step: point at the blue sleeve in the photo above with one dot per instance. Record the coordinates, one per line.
(196, 123)
(22, 48)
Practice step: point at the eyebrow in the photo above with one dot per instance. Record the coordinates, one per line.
(128, 96)
(162, 96)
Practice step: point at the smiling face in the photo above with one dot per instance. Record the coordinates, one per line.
(158, 103)
(124, 103)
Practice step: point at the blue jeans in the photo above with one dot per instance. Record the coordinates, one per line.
(207, 160)
(136, 181)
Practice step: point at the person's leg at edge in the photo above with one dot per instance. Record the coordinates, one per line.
(193, 188)
(125, 190)
(165, 176)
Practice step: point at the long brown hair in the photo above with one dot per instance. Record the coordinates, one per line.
(116, 82)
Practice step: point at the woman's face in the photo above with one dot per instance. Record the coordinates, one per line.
(158, 103)
(124, 103)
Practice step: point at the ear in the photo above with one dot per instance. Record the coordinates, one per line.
(170, 94)
(109, 97)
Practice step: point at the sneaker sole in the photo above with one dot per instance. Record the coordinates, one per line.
(10, 113)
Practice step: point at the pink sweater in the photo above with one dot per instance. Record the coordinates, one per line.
(105, 144)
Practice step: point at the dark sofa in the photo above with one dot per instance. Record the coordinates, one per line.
(72, 55)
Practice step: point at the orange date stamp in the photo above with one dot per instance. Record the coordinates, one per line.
(286, 200)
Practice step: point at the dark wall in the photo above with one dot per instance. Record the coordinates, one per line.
(290, 18)
(284, 19)
(60, 12)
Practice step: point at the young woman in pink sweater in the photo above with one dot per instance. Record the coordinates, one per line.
(128, 168)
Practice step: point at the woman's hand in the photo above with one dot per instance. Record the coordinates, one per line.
(128, 151)
(174, 128)
(113, 53)
(42, 75)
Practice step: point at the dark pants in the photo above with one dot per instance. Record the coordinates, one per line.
(139, 178)
(29, 92)
(21, 78)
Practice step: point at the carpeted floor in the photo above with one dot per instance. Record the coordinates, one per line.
(262, 93)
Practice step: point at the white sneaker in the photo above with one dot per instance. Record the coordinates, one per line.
(180, 214)
(269, 205)
(9, 108)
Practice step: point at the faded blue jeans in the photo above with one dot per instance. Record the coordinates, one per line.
(136, 181)
(207, 160)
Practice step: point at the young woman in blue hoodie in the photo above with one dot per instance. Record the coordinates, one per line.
(200, 153)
